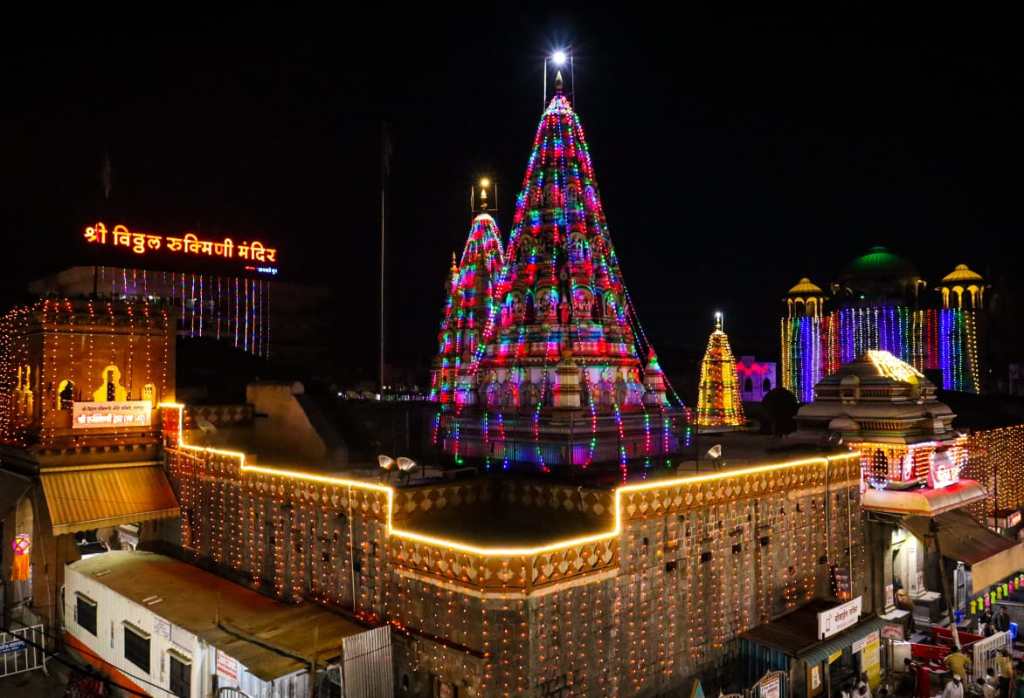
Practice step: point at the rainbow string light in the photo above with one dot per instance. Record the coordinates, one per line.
(938, 339)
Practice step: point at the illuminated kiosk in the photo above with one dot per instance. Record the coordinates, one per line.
(79, 438)
(879, 301)
(563, 374)
(911, 459)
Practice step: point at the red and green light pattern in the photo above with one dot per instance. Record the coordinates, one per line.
(562, 283)
(468, 306)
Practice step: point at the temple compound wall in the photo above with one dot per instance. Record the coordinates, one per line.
(633, 590)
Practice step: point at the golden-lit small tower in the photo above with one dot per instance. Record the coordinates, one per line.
(718, 400)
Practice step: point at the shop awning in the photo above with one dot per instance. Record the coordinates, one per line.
(836, 643)
(991, 556)
(88, 497)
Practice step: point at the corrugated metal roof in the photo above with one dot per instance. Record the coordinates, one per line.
(193, 599)
(844, 639)
(90, 497)
(796, 633)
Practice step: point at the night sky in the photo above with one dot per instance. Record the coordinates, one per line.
(733, 155)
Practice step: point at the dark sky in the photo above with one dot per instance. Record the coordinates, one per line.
(733, 155)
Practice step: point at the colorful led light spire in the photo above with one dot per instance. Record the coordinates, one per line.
(561, 288)
(468, 305)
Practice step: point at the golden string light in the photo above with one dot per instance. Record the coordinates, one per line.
(625, 623)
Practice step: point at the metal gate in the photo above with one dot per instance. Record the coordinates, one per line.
(986, 651)
(367, 668)
(22, 650)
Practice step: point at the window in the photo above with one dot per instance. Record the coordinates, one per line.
(66, 394)
(136, 648)
(748, 386)
(181, 677)
(85, 611)
(767, 385)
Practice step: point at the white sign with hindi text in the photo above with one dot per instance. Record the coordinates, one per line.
(111, 415)
(839, 618)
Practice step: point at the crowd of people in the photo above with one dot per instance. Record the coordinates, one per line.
(1005, 680)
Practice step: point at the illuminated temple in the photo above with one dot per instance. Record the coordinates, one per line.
(553, 368)
(880, 301)
(468, 306)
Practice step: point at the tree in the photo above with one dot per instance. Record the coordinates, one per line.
(780, 408)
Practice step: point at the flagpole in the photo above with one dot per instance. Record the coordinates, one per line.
(385, 166)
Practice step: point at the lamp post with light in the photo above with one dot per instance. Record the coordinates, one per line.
(559, 58)
(483, 197)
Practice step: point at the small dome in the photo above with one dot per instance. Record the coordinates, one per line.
(805, 287)
(961, 273)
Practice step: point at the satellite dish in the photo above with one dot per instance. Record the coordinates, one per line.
(715, 451)
(406, 464)
(385, 462)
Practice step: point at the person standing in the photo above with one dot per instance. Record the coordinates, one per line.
(959, 664)
(984, 620)
(1004, 668)
(1001, 619)
(954, 688)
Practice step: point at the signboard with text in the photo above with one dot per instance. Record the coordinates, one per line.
(251, 255)
(107, 415)
(839, 618)
(227, 667)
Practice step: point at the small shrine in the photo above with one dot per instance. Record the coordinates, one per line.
(887, 410)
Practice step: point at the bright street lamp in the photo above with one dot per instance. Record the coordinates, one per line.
(560, 58)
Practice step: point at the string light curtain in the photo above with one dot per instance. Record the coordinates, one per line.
(946, 340)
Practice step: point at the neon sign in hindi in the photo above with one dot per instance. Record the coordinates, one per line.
(189, 243)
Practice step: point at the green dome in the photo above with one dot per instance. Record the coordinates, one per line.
(879, 275)
(880, 262)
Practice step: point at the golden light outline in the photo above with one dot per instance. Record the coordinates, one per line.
(890, 367)
(451, 544)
